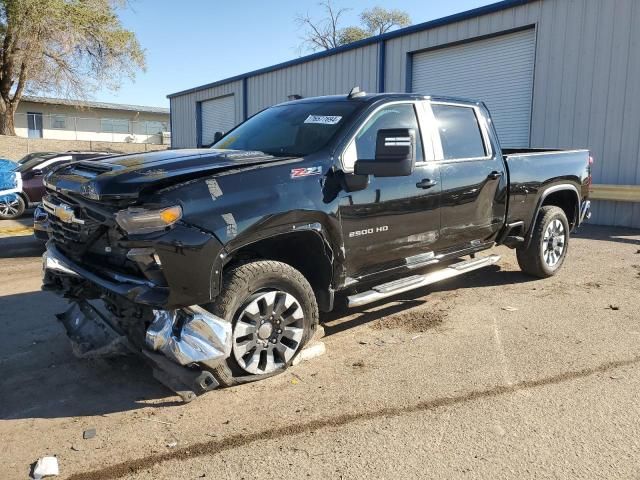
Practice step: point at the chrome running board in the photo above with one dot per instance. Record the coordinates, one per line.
(395, 287)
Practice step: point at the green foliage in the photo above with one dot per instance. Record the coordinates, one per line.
(378, 20)
(63, 47)
(352, 34)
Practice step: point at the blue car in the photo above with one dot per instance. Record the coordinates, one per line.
(11, 204)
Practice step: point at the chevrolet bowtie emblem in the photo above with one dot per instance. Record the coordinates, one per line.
(63, 212)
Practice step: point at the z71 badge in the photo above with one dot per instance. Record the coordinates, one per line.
(305, 172)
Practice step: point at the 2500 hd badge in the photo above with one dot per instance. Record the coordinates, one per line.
(368, 231)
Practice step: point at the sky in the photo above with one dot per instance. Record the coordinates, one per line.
(194, 42)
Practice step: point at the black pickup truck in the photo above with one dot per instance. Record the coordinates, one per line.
(214, 263)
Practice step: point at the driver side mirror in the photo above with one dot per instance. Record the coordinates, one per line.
(217, 136)
(395, 154)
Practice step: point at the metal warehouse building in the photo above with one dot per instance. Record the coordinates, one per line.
(554, 73)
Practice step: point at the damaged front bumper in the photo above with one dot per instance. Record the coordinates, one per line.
(57, 266)
(182, 344)
(190, 335)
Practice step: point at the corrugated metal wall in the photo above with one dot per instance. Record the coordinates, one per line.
(183, 112)
(586, 83)
(587, 91)
(326, 76)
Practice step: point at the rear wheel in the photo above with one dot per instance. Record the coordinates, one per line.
(549, 244)
(11, 207)
(274, 313)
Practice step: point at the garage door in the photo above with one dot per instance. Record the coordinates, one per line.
(218, 115)
(498, 71)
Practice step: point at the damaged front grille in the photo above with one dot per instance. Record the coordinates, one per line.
(87, 237)
(69, 224)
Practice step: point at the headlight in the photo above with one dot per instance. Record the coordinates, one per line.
(141, 220)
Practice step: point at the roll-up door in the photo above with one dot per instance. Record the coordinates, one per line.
(218, 115)
(497, 70)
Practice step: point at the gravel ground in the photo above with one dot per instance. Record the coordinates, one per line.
(491, 375)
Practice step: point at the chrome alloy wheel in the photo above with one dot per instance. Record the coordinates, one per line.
(268, 332)
(9, 207)
(553, 243)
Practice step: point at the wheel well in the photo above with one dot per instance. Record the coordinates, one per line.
(305, 251)
(567, 201)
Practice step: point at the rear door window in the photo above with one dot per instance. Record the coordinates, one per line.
(460, 132)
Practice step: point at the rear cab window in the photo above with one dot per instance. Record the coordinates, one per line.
(460, 133)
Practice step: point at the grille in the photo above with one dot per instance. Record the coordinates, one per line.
(79, 229)
(86, 239)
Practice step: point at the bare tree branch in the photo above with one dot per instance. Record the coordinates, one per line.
(327, 32)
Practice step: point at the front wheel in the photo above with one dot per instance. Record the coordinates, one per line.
(11, 207)
(274, 313)
(549, 244)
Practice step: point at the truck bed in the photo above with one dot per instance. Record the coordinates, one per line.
(532, 170)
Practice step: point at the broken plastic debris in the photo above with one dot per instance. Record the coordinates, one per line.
(45, 467)
(312, 351)
(510, 309)
(89, 433)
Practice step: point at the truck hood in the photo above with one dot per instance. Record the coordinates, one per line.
(126, 176)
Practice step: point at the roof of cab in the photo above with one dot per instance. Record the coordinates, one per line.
(374, 97)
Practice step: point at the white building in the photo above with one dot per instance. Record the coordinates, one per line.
(59, 119)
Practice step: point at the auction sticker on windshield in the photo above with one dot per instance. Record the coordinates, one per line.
(323, 119)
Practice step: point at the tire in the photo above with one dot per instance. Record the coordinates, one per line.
(549, 244)
(250, 288)
(11, 207)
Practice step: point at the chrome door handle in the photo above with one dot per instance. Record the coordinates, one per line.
(426, 183)
(494, 175)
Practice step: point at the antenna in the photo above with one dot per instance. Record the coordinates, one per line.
(356, 92)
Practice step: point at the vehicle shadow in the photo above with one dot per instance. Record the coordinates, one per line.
(491, 276)
(41, 378)
(20, 247)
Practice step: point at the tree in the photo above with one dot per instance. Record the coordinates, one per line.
(62, 47)
(351, 34)
(326, 33)
(377, 20)
(323, 33)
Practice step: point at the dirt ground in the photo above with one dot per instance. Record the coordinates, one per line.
(490, 375)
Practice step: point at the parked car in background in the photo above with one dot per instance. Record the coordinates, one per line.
(9, 187)
(28, 179)
(33, 155)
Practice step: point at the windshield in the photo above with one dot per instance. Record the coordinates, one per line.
(296, 129)
(31, 156)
